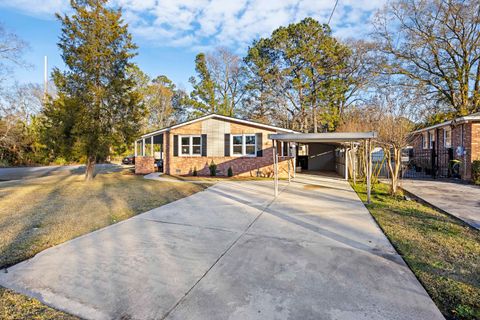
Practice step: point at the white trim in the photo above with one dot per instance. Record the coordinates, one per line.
(209, 116)
(190, 145)
(445, 130)
(425, 140)
(472, 117)
(431, 138)
(244, 145)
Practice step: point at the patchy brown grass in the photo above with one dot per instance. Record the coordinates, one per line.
(14, 306)
(39, 213)
(442, 251)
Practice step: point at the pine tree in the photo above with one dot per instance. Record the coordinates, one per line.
(203, 98)
(97, 50)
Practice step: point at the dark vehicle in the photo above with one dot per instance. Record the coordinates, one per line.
(128, 160)
(159, 165)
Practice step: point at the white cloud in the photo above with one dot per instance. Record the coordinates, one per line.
(42, 8)
(232, 23)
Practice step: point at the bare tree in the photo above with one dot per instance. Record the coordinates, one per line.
(11, 51)
(229, 74)
(436, 45)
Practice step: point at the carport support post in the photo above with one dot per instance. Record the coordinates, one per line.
(294, 159)
(354, 164)
(275, 168)
(369, 169)
(135, 146)
(346, 163)
(143, 147)
(289, 179)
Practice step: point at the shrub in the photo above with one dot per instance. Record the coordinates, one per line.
(4, 163)
(230, 172)
(195, 173)
(213, 169)
(476, 171)
(60, 161)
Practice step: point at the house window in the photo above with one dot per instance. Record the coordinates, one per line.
(190, 145)
(244, 145)
(425, 140)
(447, 137)
(431, 136)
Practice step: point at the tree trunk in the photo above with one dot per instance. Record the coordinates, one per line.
(90, 169)
(394, 168)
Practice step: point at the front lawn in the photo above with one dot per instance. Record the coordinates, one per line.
(442, 251)
(39, 213)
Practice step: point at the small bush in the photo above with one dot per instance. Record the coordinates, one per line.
(476, 171)
(4, 163)
(213, 169)
(195, 173)
(230, 172)
(60, 161)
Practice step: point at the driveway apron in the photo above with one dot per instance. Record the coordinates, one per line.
(233, 252)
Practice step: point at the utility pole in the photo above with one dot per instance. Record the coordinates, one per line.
(45, 78)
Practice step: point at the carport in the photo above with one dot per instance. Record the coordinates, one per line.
(342, 140)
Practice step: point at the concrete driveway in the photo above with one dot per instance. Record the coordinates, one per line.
(459, 200)
(17, 173)
(233, 252)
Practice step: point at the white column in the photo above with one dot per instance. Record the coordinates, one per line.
(276, 174)
(143, 147)
(294, 160)
(354, 165)
(289, 176)
(151, 146)
(135, 146)
(369, 169)
(275, 168)
(346, 163)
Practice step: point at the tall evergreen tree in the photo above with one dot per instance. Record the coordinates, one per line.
(203, 98)
(302, 67)
(97, 50)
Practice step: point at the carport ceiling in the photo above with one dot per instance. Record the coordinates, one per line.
(329, 137)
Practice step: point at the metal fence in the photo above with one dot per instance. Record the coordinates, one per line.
(430, 163)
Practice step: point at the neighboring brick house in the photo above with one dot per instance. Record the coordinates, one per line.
(228, 142)
(458, 139)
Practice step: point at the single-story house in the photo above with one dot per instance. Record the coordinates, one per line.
(446, 149)
(228, 142)
(247, 147)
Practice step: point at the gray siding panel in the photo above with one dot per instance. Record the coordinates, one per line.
(215, 130)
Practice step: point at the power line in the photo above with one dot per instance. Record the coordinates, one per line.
(331, 15)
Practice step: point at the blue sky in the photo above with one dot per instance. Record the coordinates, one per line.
(170, 33)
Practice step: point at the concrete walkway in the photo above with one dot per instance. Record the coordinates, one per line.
(459, 200)
(233, 252)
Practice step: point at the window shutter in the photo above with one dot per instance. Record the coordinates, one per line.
(259, 141)
(204, 145)
(227, 144)
(175, 145)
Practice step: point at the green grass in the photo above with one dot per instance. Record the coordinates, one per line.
(39, 213)
(442, 251)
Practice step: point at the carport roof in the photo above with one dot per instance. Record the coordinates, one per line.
(329, 137)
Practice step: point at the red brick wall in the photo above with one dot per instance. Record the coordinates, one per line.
(144, 165)
(471, 144)
(242, 166)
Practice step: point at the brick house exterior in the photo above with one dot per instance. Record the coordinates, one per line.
(458, 139)
(228, 142)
